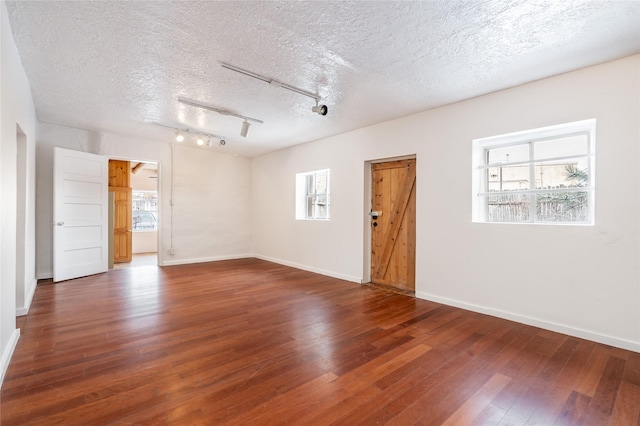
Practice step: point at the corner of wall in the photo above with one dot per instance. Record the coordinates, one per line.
(332, 274)
(30, 291)
(8, 353)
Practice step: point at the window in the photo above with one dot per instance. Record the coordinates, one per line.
(145, 210)
(313, 195)
(539, 176)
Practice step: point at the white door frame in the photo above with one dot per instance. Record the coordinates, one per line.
(23, 288)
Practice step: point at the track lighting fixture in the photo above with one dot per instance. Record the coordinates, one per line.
(320, 109)
(245, 124)
(201, 136)
(245, 129)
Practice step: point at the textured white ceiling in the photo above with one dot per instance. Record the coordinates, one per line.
(118, 66)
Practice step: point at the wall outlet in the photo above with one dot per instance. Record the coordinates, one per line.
(172, 251)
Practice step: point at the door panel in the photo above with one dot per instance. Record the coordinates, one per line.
(119, 184)
(393, 232)
(80, 238)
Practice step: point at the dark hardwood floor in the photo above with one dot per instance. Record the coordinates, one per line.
(251, 342)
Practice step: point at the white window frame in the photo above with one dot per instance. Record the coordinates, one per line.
(530, 137)
(302, 195)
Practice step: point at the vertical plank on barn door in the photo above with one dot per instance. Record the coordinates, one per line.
(393, 233)
(120, 185)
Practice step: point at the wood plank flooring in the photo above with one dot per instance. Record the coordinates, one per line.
(247, 342)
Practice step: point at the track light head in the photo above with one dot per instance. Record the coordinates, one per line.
(245, 129)
(179, 136)
(223, 142)
(200, 141)
(320, 109)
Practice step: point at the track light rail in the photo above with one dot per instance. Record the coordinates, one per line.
(198, 104)
(181, 128)
(271, 81)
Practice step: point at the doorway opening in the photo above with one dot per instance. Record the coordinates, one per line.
(21, 221)
(134, 233)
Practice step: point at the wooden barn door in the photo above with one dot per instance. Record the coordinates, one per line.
(119, 184)
(393, 224)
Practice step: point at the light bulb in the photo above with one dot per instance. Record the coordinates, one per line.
(179, 137)
(200, 140)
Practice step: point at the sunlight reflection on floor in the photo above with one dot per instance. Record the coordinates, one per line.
(142, 259)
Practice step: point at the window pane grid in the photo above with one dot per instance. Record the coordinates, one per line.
(517, 163)
(314, 196)
(145, 210)
(559, 135)
(535, 191)
(538, 180)
(563, 207)
(532, 176)
(508, 208)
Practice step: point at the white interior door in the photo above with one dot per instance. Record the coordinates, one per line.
(80, 221)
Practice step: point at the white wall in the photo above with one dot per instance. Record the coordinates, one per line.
(144, 241)
(211, 194)
(583, 281)
(144, 180)
(16, 109)
(212, 204)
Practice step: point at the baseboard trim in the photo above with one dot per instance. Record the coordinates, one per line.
(44, 275)
(203, 259)
(547, 325)
(311, 269)
(25, 309)
(8, 353)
